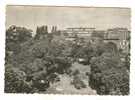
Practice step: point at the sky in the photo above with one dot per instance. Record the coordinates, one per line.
(65, 17)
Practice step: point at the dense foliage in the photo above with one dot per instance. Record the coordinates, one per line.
(109, 75)
(40, 61)
(14, 37)
(33, 63)
(15, 81)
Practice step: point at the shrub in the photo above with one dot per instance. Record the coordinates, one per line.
(77, 82)
(39, 60)
(15, 81)
(108, 75)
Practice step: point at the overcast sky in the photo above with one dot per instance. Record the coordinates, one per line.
(64, 17)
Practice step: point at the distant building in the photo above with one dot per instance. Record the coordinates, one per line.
(121, 33)
(119, 36)
(80, 32)
(71, 34)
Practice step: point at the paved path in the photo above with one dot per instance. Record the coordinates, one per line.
(65, 87)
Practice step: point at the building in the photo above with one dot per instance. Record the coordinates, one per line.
(119, 36)
(80, 32)
(71, 34)
(121, 33)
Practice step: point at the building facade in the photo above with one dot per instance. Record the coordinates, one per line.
(119, 36)
(80, 32)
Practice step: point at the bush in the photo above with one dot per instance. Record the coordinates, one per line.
(41, 61)
(108, 75)
(40, 81)
(15, 81)
(77, 82)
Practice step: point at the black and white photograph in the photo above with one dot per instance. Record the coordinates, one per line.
(73, 50)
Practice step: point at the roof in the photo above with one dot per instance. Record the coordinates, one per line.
(81, 28)
(112, 39)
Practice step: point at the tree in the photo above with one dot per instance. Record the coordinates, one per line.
(109, 75)
(15, 36)
(18, 34)
(110, 47)
(15, 80)
(41, 32)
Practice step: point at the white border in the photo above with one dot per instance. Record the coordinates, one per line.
(96, 3)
